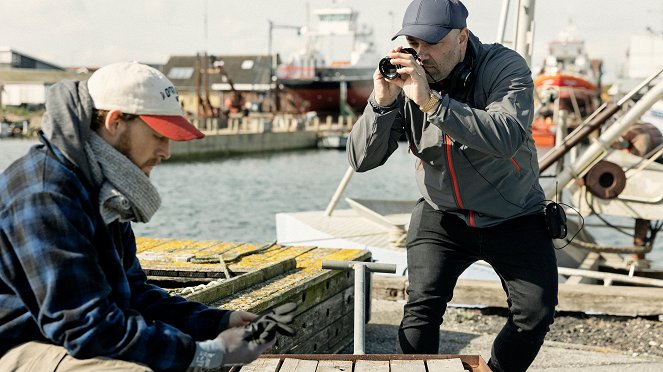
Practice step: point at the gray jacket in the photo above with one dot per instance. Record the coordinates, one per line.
(476, 153)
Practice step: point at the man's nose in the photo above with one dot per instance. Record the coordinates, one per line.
(164, 149)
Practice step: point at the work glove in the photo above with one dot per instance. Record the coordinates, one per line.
(265, 327)
(242, 345)
(232, 346)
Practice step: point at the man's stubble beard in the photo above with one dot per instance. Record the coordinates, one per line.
(123, 146)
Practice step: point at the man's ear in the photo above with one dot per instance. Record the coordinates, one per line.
(112, 121)
(463, 35)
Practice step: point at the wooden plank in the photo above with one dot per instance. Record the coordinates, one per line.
(334, 366)
(372, 366)
(389, 287)
(298, 365)
(262, 365)
(314, 321)
(613, 300)
(364, 363)
(228, 287)
(445, 365)
(307, 286)
(328, 339)
(407, 365)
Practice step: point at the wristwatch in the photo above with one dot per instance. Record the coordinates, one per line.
(434, 99)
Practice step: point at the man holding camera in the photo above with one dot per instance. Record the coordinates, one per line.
(466, 110)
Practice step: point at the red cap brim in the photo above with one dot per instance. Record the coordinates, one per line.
(176, 128)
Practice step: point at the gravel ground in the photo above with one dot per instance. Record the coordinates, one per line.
(637, 336)
(632, 336)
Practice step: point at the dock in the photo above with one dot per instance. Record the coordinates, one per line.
(265, 132)
(366, 363)
(257, 278)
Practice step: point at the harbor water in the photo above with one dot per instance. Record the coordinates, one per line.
(236, 198)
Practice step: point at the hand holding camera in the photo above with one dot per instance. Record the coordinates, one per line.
(401, 69)
(389, 70)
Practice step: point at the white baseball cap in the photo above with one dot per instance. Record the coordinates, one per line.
(138, 89)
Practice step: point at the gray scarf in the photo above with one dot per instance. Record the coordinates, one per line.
(126, 192)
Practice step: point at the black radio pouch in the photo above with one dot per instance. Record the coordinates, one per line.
(556, 220)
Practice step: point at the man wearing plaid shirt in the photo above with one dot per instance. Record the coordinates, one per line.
(72, 293)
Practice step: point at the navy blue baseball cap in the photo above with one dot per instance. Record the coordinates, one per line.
(431, 20)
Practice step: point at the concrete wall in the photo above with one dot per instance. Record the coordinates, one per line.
(240, 143)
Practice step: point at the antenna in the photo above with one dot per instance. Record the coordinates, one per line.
(205, 25)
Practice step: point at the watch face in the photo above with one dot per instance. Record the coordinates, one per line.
(435, 93)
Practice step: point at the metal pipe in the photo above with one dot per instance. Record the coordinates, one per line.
(339, 191)
(360, 309)
(601, 146)
(376, 267)
(593, 122)
(525, 29)
(575, 137)
(501, 25)
(611, 276)
(361, 299)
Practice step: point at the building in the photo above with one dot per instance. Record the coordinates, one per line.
(213, 83)
(25, 79)
(10, 58)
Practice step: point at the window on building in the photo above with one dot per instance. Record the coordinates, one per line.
(180, 73)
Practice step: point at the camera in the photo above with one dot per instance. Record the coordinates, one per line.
(388, 70)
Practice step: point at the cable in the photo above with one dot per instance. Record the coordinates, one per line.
(582, 223)
(603, 219)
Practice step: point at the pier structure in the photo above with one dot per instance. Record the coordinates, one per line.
(263, 132)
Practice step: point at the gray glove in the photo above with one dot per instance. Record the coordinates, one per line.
(232, 346)
(264, 328)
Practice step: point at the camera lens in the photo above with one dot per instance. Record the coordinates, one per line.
(388, 70)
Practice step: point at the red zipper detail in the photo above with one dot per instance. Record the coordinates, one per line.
(516, 164)
(421, 162)
(472, 223)
(453, 172)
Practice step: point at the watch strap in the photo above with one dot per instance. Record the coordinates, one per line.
(431, 103)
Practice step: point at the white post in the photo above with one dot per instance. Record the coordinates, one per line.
(339, 191)
(525, 30)
(360, 309)
(501, 26)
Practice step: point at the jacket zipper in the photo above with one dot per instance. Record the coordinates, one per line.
(452, 171)
(515, 163)
(454, 180)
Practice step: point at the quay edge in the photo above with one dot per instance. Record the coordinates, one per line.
(243, 143)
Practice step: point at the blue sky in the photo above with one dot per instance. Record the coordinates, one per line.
(86, 32)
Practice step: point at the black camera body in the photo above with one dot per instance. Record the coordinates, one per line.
(388, 70)
(556, 220)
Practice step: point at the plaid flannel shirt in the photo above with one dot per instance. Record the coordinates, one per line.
(69, 279)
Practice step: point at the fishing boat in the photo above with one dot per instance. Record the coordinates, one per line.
(326, 76)
(567, 87)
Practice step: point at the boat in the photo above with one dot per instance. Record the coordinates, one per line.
(567, 87)
(325, 76)
(336, 140)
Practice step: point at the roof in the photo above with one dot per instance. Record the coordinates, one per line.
(29, 75)
(247, 72)
(44, 64)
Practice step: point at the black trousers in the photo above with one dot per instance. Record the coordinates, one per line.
(441, 246)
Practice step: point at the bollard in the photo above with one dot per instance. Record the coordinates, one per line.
(360, 269)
